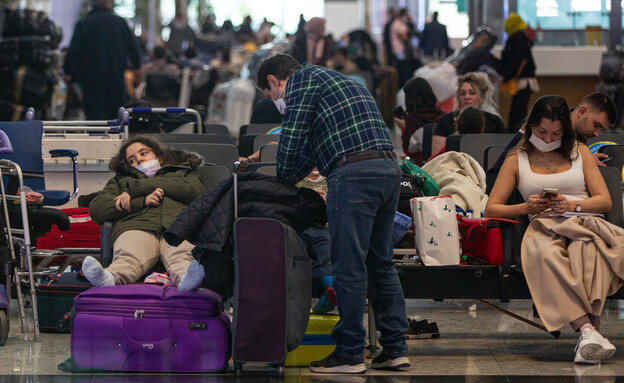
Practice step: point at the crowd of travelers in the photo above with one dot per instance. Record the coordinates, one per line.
(333, 129)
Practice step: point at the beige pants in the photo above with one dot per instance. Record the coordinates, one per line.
(135, 252)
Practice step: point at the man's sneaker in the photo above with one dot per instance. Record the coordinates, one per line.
(422, 330)
(335, 364)
(592, 348)
(384, 362)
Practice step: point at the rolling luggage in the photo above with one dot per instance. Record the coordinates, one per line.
(56, 298)
(272, 292)
(82, 233)
(317, 343)
(150, 328)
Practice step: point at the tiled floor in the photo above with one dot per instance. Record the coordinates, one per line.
(477, 344)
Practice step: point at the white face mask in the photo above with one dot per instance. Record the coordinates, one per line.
(149, 168)
(542, 146)
(280, 103)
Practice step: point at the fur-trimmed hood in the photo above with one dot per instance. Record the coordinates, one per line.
(175, 158)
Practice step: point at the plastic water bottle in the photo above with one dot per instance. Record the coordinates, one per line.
(469, 213)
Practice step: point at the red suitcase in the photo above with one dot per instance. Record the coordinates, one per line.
(83, 232)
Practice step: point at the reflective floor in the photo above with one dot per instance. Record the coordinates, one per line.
(477, 344)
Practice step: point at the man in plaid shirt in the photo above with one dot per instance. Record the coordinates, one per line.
(332, 123)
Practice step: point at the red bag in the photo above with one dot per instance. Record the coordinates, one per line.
(83, 232)
(481, 238)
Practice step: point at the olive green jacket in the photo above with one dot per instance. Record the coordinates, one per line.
(181, 185)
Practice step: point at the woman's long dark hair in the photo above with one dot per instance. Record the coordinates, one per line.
(553, 108)
(166, 155)
(418, 95)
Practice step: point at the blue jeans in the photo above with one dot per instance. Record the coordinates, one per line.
(316, 243)
(361, 202)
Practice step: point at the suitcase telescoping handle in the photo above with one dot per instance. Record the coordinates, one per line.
(235, 184)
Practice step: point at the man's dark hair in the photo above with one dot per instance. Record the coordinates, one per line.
(435, 15)
(600, 103)
(281, 66)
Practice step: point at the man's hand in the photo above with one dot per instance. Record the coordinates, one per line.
(122, 202)
(154, 198)
(598, 157)
(244, 161)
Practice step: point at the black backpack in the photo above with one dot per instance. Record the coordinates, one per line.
(410, 188)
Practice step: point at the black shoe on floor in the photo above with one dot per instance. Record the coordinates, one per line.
(335, 364)
(422, 330)
(384, 362)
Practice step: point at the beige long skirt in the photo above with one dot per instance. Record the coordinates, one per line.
(571, 265)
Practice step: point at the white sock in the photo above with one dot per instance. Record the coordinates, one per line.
(193, 277)
(95, 273)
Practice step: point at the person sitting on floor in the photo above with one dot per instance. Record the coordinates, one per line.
(152, 185)
(571, 262)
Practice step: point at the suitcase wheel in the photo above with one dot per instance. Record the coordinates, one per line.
(238, 367)
(280, 371)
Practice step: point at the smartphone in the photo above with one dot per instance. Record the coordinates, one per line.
(549, 193)
(605, 160)
(398, 112)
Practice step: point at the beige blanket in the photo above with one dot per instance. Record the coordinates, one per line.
(460, 176)
(571, 265)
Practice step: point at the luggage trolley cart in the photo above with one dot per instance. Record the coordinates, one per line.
(198, 127)
(12, 169)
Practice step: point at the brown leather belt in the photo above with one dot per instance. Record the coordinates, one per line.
(363, 156)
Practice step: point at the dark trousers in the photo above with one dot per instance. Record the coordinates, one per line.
(518, 110)
(103, 96)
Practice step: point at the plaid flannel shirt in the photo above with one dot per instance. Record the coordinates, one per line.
(328, 116)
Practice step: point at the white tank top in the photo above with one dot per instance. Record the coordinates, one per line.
(571, 183)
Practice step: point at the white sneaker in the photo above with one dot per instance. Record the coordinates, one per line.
(592, 348)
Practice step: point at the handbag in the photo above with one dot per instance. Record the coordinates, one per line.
(511, 86)
(427, 184)
(481, 238)
(435, 230)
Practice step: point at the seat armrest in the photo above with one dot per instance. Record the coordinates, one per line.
(63, 153)
(55, 153)
(106, 246)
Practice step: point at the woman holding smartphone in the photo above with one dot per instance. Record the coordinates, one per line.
(571, 264)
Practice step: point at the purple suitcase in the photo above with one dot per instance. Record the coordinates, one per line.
(150, 328)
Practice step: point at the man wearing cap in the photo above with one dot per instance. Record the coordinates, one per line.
(98, 56)
(332, 123)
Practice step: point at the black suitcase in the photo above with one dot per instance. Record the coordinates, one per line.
(56, 298)
(272, 290)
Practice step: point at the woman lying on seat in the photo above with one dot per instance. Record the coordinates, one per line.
(152, 185)
(571, 264)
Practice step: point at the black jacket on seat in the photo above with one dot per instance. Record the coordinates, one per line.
(207, 222)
